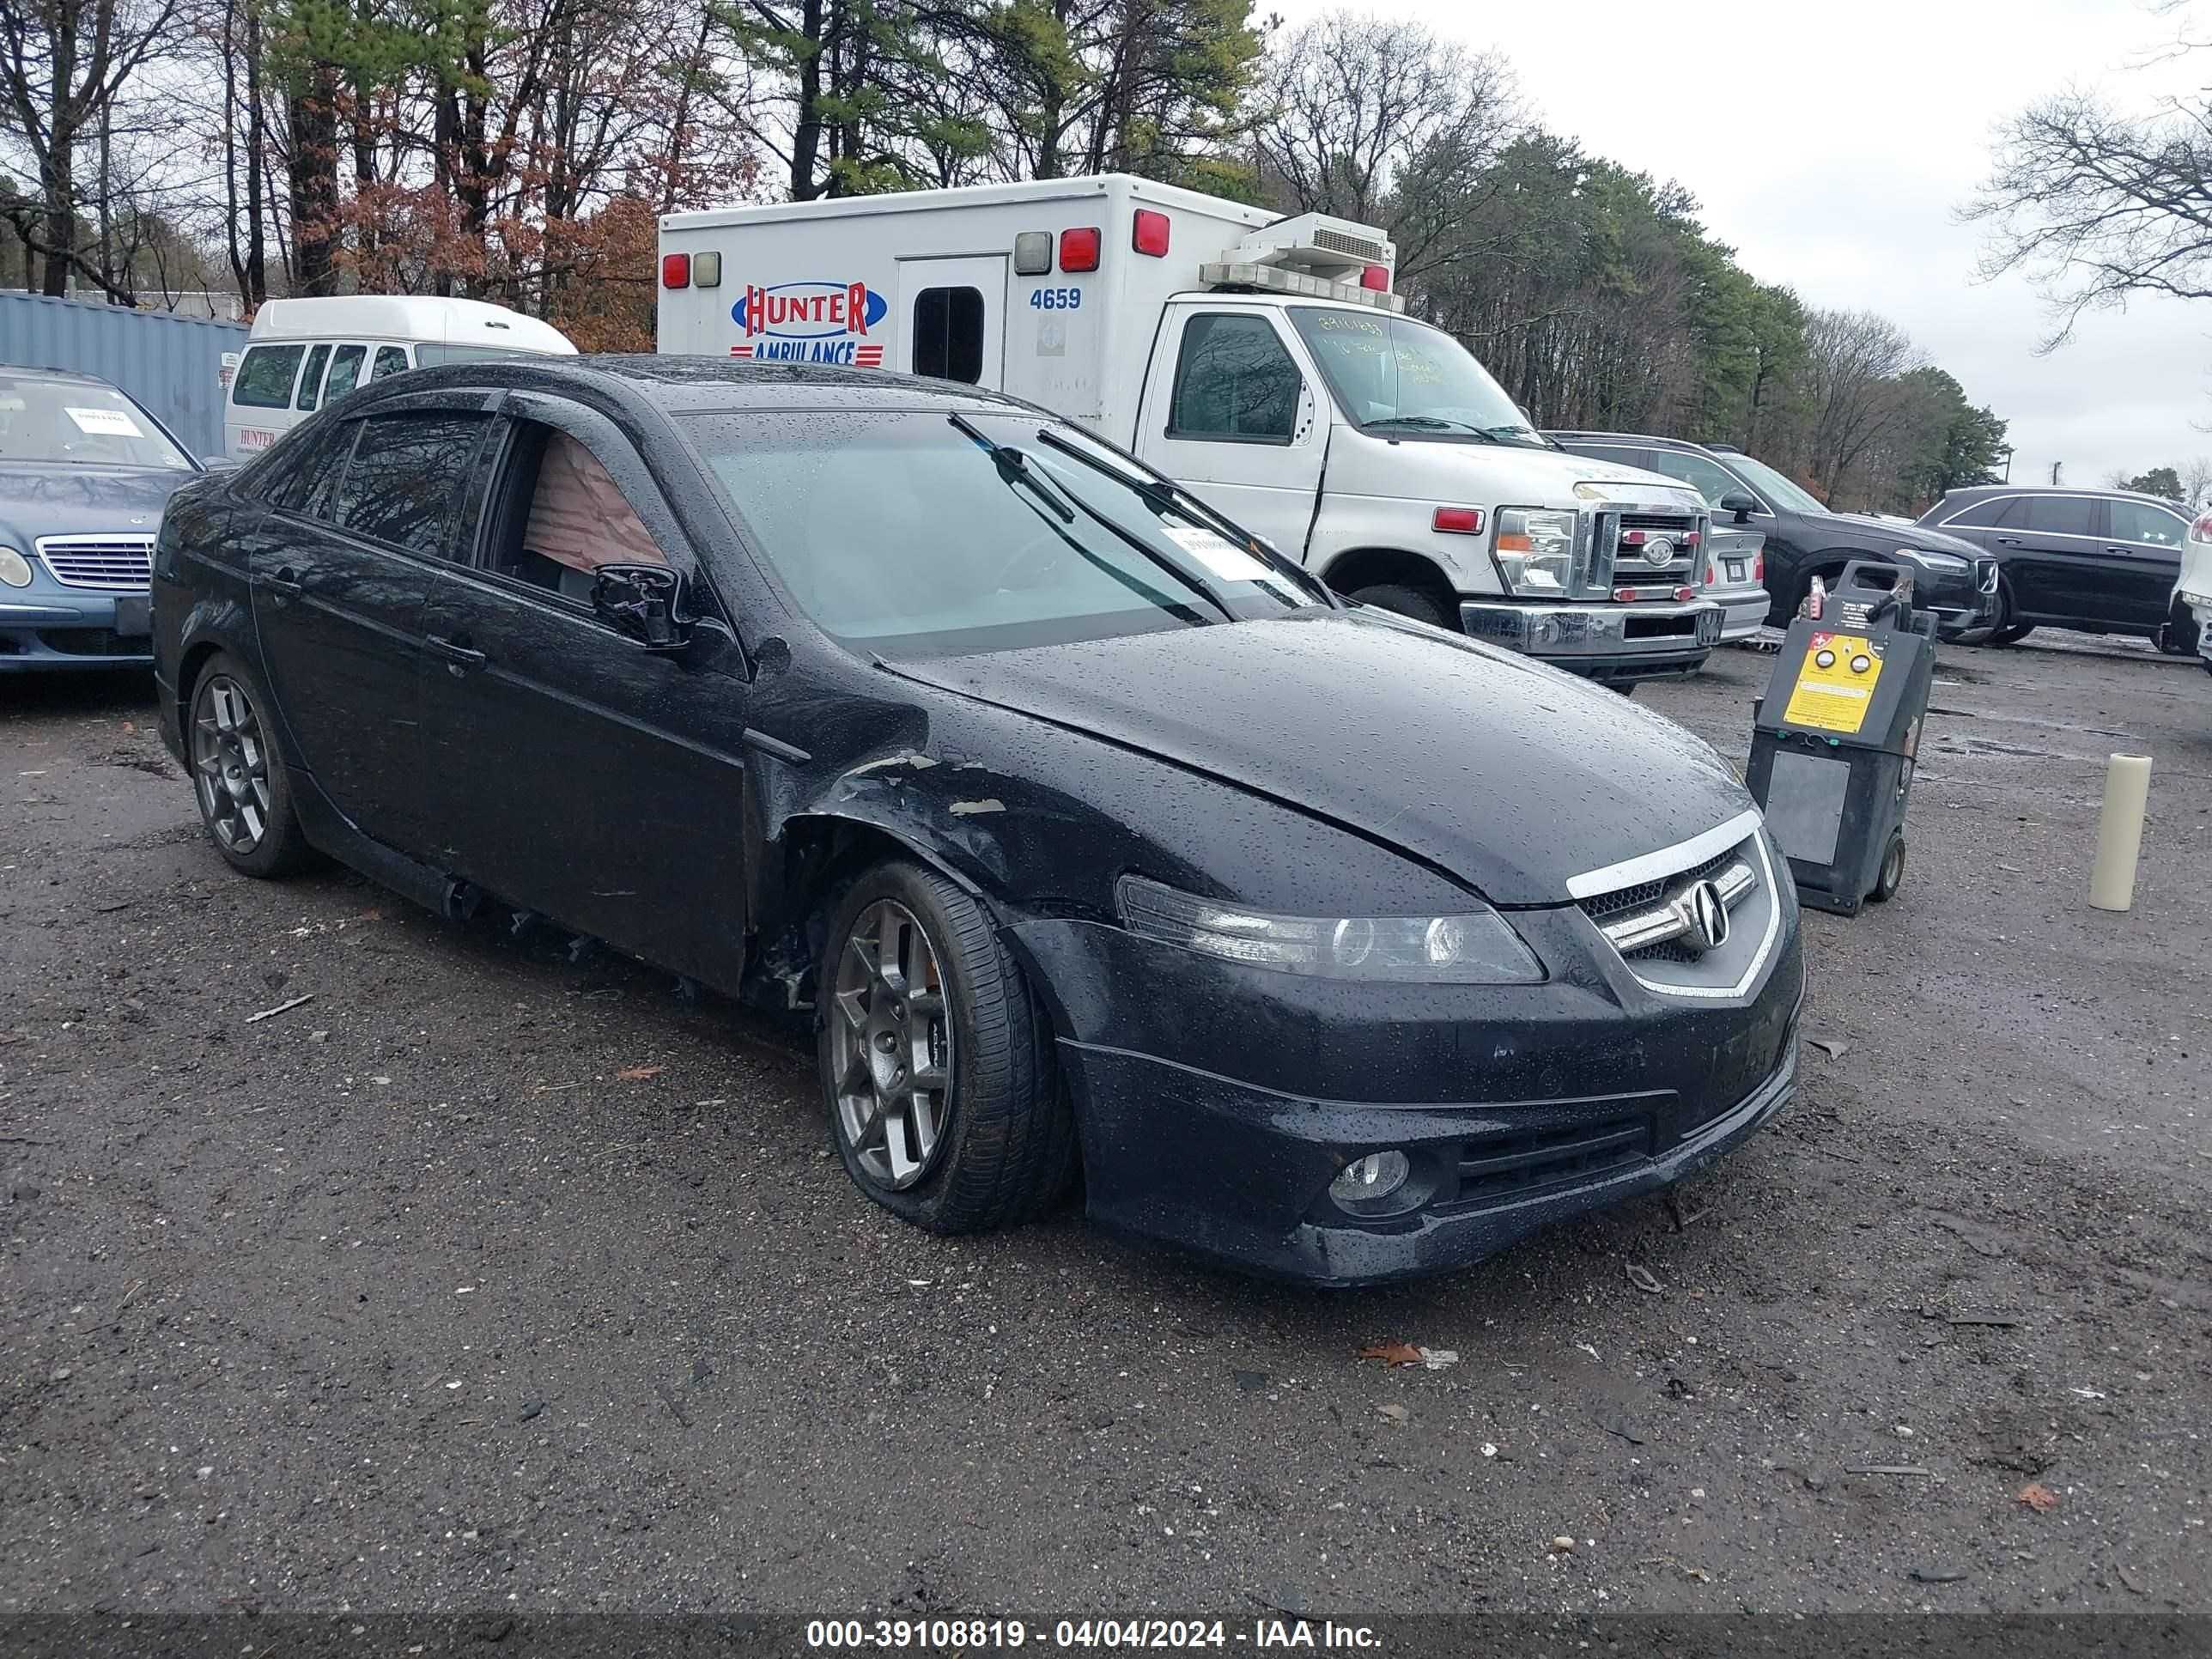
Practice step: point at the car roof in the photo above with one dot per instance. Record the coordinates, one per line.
(1649, 439)
(76, 377)
(422, 317)
(684, 385)
(1978, 492)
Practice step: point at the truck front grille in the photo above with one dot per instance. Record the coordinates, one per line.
(113, 564)
(1619, 555)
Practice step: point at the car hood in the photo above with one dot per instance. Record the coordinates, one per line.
(1508, 775)
(1891, 536)
(60, 499)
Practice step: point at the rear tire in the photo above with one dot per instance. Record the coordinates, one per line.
(913, 984)
(1891, 876)
(2180, 636)
(1402, 600)
(236, 763)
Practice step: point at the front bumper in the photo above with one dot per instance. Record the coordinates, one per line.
(1216, 1103)
(70, 629)
(1607, 641)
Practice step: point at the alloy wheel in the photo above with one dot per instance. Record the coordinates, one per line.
(891, 1045)
(230, 764)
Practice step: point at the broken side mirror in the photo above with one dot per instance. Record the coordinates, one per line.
(645, 602)
(1738, 506)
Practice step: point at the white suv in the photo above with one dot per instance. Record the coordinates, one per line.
(2192, 592)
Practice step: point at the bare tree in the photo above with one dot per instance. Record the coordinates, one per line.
(2095, 206)
(1386, 123)
(2197, 481)
(1853, 360)
(63, 67)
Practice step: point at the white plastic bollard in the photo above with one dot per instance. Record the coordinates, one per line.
(2119, 832)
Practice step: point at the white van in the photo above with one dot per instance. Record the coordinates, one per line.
(1265, 363)
(301, 354)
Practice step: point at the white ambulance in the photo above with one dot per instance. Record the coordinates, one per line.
(303, 355)
(1263, 362)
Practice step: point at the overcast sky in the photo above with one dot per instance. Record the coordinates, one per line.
(1830, 144)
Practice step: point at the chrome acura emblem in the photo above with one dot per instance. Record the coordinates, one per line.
(1705, 916)
(1658, 550)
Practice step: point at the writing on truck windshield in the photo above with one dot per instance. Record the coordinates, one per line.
(1405, 379)
(919, 535)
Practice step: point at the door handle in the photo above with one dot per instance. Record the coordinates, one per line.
(286, 584)
(2119, 550)
(2008, 541)
(459, 655)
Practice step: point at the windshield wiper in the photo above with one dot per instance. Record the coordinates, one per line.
(1425, 423)
(1014, 467)
(1172, 497)
(1518, 436)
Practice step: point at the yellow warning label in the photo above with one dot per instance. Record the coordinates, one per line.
(1835, 684)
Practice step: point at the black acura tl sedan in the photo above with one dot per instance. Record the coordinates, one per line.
(1094, 836)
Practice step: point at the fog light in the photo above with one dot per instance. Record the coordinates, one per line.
(1364, 1179)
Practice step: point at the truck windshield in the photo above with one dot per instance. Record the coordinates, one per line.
(904, 535)
(78, 421)
(1408, 379)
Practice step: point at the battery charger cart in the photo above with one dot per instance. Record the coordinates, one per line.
(1834, 739)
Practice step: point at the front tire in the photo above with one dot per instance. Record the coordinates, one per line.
(239, 778)
(936, 1063)
(1405, 601)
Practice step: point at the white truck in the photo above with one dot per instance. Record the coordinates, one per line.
(1264, 363)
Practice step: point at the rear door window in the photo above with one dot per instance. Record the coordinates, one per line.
(2139, 521)
(311, 381)
(406, 479)
(265, 377)
(311, 471)
(345, 371)
(1982, 515)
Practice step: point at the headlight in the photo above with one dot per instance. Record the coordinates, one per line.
(1946, 562)
(15, 569)
(1471, 947)
(1535, 549)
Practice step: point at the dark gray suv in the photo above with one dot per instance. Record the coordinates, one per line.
(2101, 561)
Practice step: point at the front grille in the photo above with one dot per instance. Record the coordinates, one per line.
(1645, 894)
(1618, 559)
(113, 564)
(1501, 1168)
(1986, 575)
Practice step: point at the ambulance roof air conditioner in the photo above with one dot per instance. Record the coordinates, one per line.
(1316, 245)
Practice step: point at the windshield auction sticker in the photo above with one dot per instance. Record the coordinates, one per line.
(105, 423)
(1223, 558)
(1835, 684)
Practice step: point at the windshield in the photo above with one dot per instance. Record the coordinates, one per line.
(79, 421)
(1779, 491)
(906, 535)
(1401, 377)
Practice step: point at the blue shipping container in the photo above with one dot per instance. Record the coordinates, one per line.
(172, 364)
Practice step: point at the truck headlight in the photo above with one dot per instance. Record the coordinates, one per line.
(1472, 946)
(15, 569)
(1947, 562)
(1535, 549)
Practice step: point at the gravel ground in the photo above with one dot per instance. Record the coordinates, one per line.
(486, 1279)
